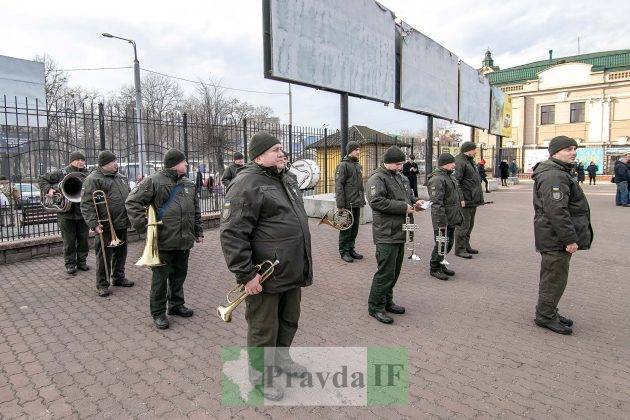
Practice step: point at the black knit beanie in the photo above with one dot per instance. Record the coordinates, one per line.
(105, 157)
(394, 155)
(173, 157)
(445, 159)
(260, 143)
(467, 146)
(560, 142)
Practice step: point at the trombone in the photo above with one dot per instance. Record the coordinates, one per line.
(100, 198)
(265, 269)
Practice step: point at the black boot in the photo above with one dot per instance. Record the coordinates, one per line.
(395, 309)
(83, 266)
(438, 274)
(161, 322)
(71, 269)
(472, 251)
(182, 311)
(464, 255)
(565, 321)
(346, 257)
(447, 271)
(354, 255)
(555, 326)
(383, 317)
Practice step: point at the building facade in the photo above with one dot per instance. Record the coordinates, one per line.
(586, 97)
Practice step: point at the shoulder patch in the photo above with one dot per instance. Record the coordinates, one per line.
(372, 190)
(556, 194)
(225, 212)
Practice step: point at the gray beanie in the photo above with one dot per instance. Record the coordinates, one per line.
(445, 159)
(394, 155)
(260, 143)
(76, 155)
(173, 157)
(467, 146)
(352, 146)
(560, 142)
(105, 157)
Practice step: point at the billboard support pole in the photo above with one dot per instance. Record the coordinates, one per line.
(344, 123)
(428, 154)
(497, 157)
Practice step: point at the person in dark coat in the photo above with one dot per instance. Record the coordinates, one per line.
(230, 172)
(410, 170)
(581, 175)
(513, 168)
(622, 176)
(263, 218)
(481, 168)
(470, 184)
(504, 170)
(592, 170)
(562, 225)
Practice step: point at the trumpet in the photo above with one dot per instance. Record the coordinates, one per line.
(150, 255)
(99, 198)
(442, 241)
(410, 227)
(340, 219)
(265, 269)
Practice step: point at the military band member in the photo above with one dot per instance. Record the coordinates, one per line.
(446, 213)
(105, 177)
(177, 204)
(349, 195)
(391, 199)
(74, 231)
(229, 174)
(467, 175)
(562, 225)
(263, 218)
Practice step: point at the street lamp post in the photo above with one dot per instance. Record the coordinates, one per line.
(136, 80)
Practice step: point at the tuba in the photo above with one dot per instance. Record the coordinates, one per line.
(100, 199)
(265, 269)
(69, 192)
(150, 256)
(340, 219)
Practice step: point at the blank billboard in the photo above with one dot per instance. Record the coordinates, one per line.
(21, 80)
(342, 46)
(428, 75)
(474, 97)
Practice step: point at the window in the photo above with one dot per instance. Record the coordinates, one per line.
(547, 114)
(577, 112)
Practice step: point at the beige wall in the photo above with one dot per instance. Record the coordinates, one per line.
(607, 107)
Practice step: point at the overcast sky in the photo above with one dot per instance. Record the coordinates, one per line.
(223, 40)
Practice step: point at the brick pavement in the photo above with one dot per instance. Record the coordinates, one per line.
(473, 348)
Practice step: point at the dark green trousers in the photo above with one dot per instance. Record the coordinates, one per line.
(436, 260)
(272, 321)
(116, 259)
(463, 231)
(554, 273)
(75, 234)
(389, 258)
(348, 237)
(167, 283)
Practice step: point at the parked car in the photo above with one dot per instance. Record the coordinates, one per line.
(29, 194)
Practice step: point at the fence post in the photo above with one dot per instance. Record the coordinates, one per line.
(290, 142)
(376, 153)
(428, 154)
(326, 160)
(185, 127)
(245, 139)
(101, 125)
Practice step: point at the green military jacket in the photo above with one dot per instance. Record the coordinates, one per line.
(52, 180)
(446, 199)
(230, 173)
(116, 189)
(263, 218)
(389, 194)
(561, 212)
(349, 184)
(469, 180)
(181, 217)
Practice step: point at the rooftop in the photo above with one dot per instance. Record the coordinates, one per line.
(362, 135)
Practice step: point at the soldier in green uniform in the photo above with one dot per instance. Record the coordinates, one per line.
(349, 195)
(230, 172)
(391, 199)
(263, 218)
(106, 177)
(446, 213)
(562, 225)
(74, 231)
(467, 175)
(174, 197)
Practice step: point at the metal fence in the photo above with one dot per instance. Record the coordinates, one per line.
(35, 139)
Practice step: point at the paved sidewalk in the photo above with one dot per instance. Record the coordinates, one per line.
(473, 347)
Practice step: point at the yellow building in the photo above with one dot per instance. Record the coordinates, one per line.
(586, 97)
(328, 153)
